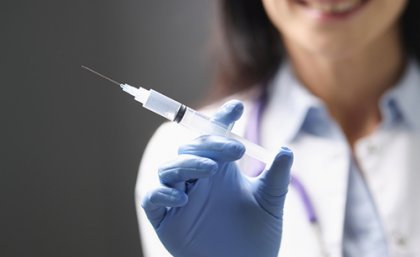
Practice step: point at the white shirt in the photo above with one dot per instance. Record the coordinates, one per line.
(388, 158)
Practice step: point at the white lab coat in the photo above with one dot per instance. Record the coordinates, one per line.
(390, 161)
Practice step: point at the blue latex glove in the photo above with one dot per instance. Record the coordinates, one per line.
(207, 207)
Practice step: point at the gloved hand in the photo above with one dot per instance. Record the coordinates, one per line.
(205, 206)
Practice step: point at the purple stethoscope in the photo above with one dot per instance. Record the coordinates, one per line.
(252, 133)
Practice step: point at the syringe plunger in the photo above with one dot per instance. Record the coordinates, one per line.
(155, 101)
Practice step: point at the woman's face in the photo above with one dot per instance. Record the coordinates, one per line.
(334, 28)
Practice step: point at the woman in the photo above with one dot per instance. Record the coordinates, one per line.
(337, 82)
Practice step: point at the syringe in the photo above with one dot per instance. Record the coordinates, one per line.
(193, 120)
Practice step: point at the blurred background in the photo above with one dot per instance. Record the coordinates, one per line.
(71, 142)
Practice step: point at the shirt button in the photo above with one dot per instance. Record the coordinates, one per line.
(372, 149)
(401, 241)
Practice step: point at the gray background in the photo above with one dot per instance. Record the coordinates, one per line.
(70, 142)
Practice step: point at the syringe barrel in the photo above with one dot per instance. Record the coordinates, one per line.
(204, 125)
(197, 122)
(255, 151)
(162, 105)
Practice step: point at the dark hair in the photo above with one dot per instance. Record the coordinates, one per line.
(250, 48)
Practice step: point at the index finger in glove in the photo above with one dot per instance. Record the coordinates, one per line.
(217, 148)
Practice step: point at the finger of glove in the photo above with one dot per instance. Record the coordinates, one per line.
(229, 112)
(217, 148)
(186, 167)
(155, 203)
(272, 184)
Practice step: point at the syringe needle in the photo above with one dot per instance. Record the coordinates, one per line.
(100, 75)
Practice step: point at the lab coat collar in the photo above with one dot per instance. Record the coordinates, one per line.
(402, 99)
(296, 105)
(289, 101)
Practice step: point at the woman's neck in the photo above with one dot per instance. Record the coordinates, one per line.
(351, 86)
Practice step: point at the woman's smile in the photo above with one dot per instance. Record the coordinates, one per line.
(334, 29)
(328, 10)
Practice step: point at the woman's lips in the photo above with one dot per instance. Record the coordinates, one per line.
(332, 7)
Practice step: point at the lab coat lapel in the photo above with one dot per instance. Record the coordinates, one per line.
(323, 166)
(395, 188)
